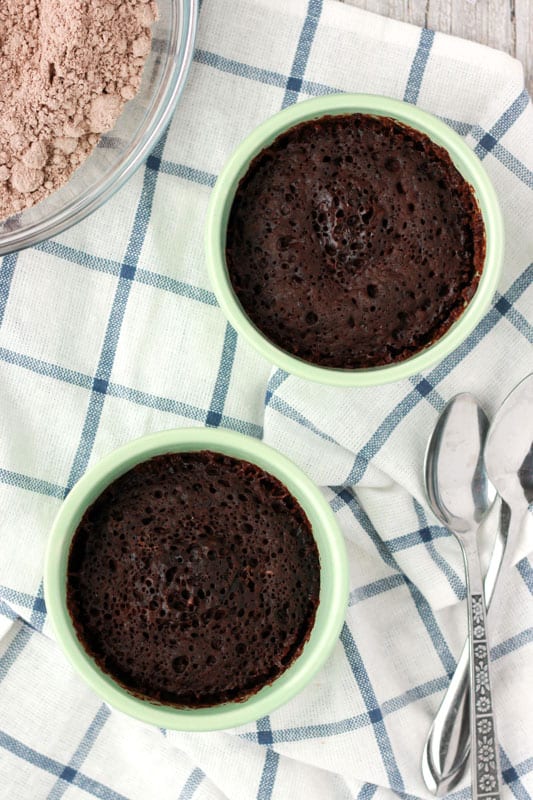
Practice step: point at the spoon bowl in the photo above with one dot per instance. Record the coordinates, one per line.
(509, 449)
(456, 481)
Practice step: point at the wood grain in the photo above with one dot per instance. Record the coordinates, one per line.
(523, 12)
(504, 24)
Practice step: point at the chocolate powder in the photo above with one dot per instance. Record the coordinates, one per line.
(68, 67)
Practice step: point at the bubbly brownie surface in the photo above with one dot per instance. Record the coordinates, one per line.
(194, 579)
(353, 242)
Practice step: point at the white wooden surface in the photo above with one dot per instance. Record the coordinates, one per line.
(504, 24)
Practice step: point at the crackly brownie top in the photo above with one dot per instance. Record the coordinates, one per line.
(194, 579)
(353, 241)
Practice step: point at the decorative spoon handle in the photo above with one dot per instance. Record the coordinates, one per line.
(484, 749)
(447, 747)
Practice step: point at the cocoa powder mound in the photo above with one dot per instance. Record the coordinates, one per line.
(68, 67)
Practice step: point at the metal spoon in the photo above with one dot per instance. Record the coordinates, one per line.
(447, 747)
(458, 491)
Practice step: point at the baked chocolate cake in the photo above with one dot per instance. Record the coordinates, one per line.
(194, 579)
(353, 241)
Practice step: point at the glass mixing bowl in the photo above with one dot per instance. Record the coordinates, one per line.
(120, 152)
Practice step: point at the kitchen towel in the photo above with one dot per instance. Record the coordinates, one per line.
(111, 330)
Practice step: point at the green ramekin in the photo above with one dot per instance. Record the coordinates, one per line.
(464, 159)
(333, 582)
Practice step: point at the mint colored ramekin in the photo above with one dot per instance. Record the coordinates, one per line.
(333, 578)
(464, 159)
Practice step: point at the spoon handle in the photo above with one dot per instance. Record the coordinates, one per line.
(484, 743)
(447, 746)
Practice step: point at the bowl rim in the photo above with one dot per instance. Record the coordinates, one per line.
(171, 85)
(333, 585)
(465, 160)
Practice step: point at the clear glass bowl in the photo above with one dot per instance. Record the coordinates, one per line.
(120, 152)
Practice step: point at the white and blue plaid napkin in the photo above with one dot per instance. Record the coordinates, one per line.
(111, 330)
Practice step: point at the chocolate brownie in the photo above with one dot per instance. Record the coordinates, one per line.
(194, 579)
(353, 241)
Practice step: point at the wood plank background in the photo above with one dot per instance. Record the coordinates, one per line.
(504, 24)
